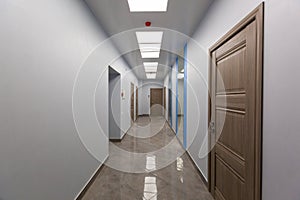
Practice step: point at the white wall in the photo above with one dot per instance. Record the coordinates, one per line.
(43, 44)
(281, 161)
(127, 77)
(144, 94)
(281, 125)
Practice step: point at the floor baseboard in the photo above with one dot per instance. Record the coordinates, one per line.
(115, 140)
(119, 139)
(144, 115)
(193, 161)
(91, 181)
(198, 170)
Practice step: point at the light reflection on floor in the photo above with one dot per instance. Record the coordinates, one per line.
(151, 163)
(150, 188)
(179, 180)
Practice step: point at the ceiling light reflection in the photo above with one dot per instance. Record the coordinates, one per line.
(150, 188)
(179, 164)
(151, 163)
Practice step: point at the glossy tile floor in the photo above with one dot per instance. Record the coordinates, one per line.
(150, 171)
(180, 128)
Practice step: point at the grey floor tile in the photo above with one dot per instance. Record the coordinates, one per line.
(179, 180)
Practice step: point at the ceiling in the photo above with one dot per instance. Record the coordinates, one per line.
(178, 23)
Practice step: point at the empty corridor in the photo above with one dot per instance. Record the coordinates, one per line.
(155, 168)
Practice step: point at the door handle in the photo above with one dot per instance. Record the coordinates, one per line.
(212, 127)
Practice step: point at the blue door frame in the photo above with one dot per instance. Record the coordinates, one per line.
(184, 98)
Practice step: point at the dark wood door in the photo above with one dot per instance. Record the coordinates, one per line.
(236, 112)
(170, 105)
(156, 101)
(132, 102)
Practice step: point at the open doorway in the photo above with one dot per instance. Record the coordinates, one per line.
(114, 104)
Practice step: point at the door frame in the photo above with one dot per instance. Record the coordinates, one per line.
(185, 97)
(136, 103)
(185, 84)
(162, 94)
(177, 103)
(256, 15)
(132, 102)
(165, 101)
(170, 106)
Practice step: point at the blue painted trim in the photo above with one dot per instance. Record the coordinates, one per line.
(176, 116)
(185, 99)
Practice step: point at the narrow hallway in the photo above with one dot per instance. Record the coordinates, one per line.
(149, 100)
(179, 180)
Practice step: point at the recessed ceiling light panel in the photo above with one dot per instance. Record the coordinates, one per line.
(150, 54)
(150, 69)
(148, 5)
(149, 47)
(150, 64)
(149, 37)
(151, 75)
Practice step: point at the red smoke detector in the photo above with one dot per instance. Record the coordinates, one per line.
(148, 24)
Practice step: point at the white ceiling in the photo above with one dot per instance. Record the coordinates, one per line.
(178, 23)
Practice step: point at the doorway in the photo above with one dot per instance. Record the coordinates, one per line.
(170, 107)
(132, 103)
(156, 101)
(235, 111)
(114, 104)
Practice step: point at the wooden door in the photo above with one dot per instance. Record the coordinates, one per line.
(132, 102)
(156, 101)
(236, 76)
(170, 106)
(137, 102)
